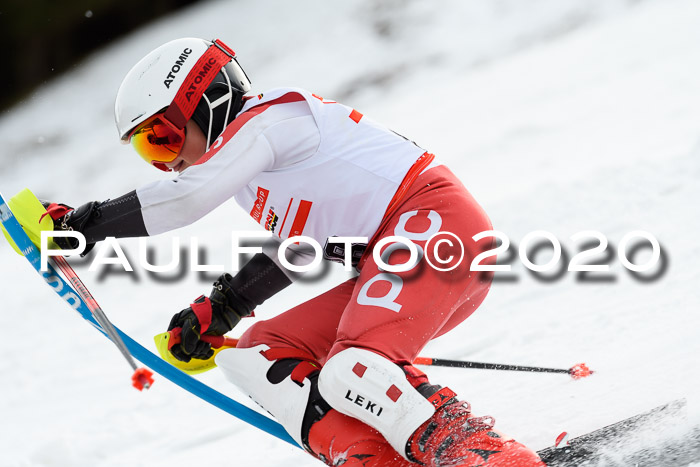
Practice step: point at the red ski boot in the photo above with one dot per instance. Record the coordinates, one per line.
(454, 437)
(338, 440)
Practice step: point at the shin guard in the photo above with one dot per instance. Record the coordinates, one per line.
(371, 388)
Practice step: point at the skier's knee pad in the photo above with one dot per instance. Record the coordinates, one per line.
(371, 388)
(282, 381)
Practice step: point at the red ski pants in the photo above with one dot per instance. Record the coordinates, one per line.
(391, 313)
(396, 313)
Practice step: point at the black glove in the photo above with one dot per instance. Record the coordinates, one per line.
(213, 316)
(66, 218)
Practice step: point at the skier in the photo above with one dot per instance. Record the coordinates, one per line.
(335, 371)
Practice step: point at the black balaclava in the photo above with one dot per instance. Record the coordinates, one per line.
(218, 88)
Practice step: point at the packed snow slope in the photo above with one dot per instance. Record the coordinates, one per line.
(563, 116)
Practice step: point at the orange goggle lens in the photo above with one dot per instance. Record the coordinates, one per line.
(156, 141)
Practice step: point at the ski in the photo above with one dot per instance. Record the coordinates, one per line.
(642, 440)
(16, 232)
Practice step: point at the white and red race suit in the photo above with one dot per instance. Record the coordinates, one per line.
(303, 165)
(299, 164)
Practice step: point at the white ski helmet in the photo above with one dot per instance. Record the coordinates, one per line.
(185, 78)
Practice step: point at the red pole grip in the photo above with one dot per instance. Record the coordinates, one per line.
(423, 361)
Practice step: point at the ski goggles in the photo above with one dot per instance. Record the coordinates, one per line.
(158, 141)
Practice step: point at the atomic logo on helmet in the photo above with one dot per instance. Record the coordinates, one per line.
(176, 68)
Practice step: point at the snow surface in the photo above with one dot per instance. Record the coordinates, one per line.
(557, 115)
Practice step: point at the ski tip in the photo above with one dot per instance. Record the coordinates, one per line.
(580, 370)
(142, 379)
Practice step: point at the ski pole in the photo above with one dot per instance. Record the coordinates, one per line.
(578, 371)
(142, 377)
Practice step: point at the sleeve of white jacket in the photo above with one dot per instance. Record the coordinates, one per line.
(170, 204)
(276, 138)
(280, 136)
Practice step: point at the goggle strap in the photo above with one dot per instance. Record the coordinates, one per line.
(197, 82)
